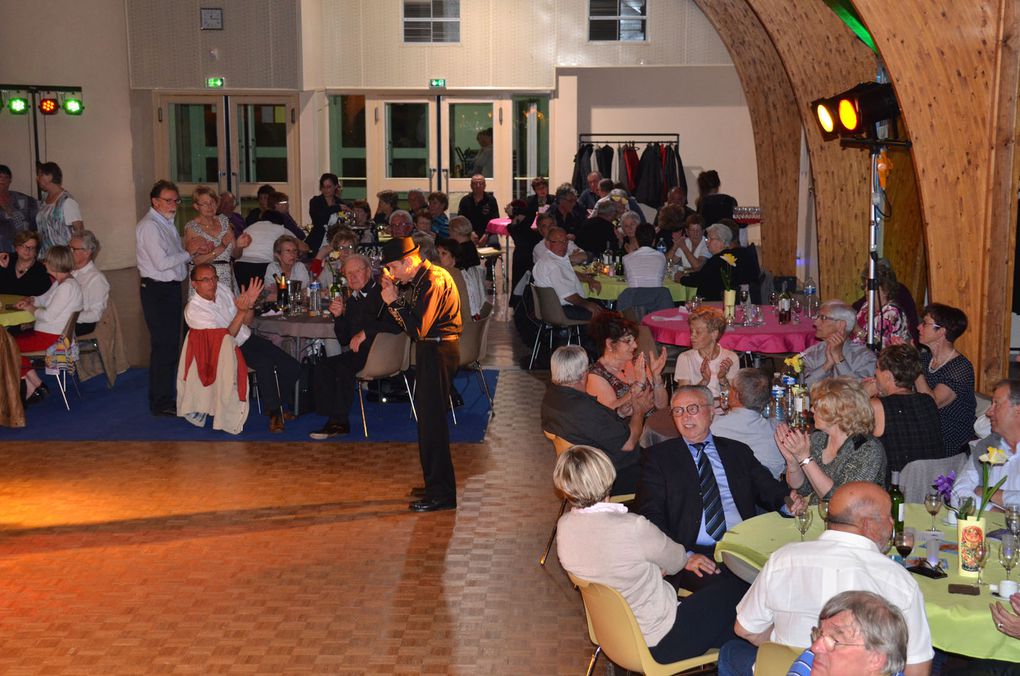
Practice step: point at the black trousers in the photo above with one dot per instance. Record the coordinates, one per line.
(266, 358)
(691, 582)
(333, 383)
(243, 272)
(163, 309)
(704, 620)
(435, 366)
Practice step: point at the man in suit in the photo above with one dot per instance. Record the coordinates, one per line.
(357, 321)
(697, 486)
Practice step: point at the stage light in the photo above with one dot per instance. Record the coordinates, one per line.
(48, 106)
(856, 111)
(17, 105)
(825, 114)
(73, 105)
(848, 115)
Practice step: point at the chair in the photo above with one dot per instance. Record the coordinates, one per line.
(61, 370)
(740, 566)
(390, 354)
(614, 631)
(549, 311)
(107, 343)
(917, 476)
(559, 445)
(473, 343)
(637, 302)
(775, 659)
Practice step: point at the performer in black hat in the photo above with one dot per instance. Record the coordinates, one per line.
(430, 313)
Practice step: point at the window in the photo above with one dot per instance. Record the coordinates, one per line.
(617, 20)
(347, 144)
(432, 20)
(530, 142)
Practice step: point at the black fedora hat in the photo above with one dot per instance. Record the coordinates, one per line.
(397, 248)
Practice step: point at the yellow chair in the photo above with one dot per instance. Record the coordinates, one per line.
(615, 632)
(774, 659)
(560, 445)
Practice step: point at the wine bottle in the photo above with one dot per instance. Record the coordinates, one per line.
(784, 306)
(282, 295)
(334, 288)
(896, 496)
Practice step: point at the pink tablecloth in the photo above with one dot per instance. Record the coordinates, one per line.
(498, 226)
(670, 326)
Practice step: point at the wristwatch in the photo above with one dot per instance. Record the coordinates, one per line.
(806, 461)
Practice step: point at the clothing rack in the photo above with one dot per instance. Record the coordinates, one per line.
(648, 180)
(625, 138)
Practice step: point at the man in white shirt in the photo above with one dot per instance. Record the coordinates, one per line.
(749, 392)
(1004, 414)
(554, 270)
(545, 221)
(259, 254)
(836, 354)
(162, 266)
(644, 267)
(94, 286)
(213, 307)
(783, 603)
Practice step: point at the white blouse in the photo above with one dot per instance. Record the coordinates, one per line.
(55, 306)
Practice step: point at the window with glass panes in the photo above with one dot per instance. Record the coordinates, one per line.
(530, 142)
(431, 20)
(617, 20)
(347, 144)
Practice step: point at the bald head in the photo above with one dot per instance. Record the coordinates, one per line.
(863, 508)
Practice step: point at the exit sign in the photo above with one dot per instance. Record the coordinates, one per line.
(437, 83)
(215, 82)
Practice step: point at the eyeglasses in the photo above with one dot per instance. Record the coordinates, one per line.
(690, 409)
(931, 325)
(346, 247)
(170, 200)
(826, 318)
(204, 204)
(830, 642)
(78, 248)
(26, 247)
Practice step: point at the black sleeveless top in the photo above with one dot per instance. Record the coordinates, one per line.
(913, 430)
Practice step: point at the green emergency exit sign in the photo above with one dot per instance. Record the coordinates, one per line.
(437, 83)
(215, 82)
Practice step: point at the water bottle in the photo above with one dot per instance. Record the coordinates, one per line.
(314, 299)
(811, 303)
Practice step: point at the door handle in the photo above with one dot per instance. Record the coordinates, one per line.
(446, 174)
(432, 174)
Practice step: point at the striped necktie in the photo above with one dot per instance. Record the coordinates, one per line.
(715, 520)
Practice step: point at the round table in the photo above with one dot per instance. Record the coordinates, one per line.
(11, 317)
(959, 624)
(302, 327)
(612, 287)
(671, 326)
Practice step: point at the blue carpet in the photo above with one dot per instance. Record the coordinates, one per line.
(122, 414)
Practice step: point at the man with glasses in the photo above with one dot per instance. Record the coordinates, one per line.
(163, 266)
(1004, 415)
(797, 580)
(95, 288)
(697, 486)
(836, 354)
(555, 271)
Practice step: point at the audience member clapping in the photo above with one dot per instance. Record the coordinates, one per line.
(946, 375)
(835, 354)
(707, 363)
(841, 449)
(619, 375)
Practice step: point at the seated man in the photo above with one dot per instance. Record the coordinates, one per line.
(1004, 414)
(356, 323)
(597, 234)
(554, 270)
(749, 392)
(836, 354)
(797, 580)
(543, 222)
(698, 485)
(569, 412)
(858, 633)
(95, 288)
(213, 307)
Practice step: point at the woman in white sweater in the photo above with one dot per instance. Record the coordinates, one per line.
(602, 542)
(52, 311)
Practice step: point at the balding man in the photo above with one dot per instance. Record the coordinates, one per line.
(478, 206)
(555, 271)
(784, 602)
(591, 194)
(836, 354)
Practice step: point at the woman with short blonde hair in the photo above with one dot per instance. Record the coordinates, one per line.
(842, 449)
(707, 363)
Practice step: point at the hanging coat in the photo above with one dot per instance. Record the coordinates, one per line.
(604, 160)
(629, 174)
(674, 169)
(582, 167)
(649, 187)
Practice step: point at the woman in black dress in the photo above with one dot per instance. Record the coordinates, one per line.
(22, 274)
(946, 375)
(321, 207)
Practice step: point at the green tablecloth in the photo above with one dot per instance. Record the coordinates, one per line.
(11, 317)
(612, 287)
(959, 624)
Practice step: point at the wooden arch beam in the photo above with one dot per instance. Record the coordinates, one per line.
(775, 121)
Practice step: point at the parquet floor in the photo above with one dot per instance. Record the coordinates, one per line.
(135, 558)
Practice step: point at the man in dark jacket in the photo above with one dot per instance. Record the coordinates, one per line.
(479, 207)
(357, 321)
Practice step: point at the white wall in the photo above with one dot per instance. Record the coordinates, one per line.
(86, 44)
(704, 104)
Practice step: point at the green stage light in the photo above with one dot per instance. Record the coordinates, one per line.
(73, 106)
(17, 105)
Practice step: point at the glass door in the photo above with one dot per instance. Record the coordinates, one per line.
(234, 143)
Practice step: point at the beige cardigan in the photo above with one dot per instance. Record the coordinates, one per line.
(220, 399)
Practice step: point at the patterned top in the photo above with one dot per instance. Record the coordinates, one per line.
(891, 323)
(620, 387)
(53, 221)
(912, 430)
(957, 417)
(860, 458)
(222, 262)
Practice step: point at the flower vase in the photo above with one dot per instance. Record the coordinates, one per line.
(729, 302)
(970, 532)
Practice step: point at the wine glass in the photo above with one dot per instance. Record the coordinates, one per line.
(933, 503)
(1008, 553)
(823, 510)
(774, 300)
(1013, 519)
(694, 303)
(803, 522)
(981, 558)
(904, 543)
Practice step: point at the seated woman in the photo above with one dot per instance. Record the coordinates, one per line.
(438, 204)
(626, 234)
(470, 286)
(52, 311)
(601, 542)
(946, 375)
(688, 246)
(469, 262)
(286, 265)
(901, 296)
(342, 244)
(907, 423)
(891, 323)
(618, 372)
(23, 274)
(841, 449)
(423, 221)
(708, 279)
(707, 362)
(363, 221)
